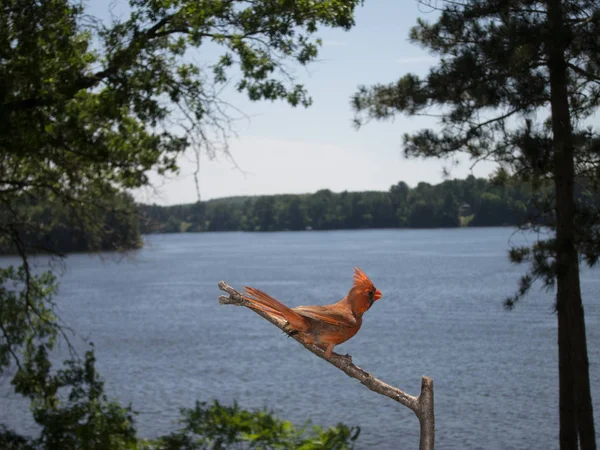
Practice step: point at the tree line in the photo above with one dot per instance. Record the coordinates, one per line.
(117, 222)
(452, 203)
(48, 225)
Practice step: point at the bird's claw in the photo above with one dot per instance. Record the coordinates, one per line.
(287, 329)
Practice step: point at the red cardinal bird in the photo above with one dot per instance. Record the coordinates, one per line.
(325, 326)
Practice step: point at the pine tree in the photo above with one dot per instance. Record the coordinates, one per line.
(516, 84)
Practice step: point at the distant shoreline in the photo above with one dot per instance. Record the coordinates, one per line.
(329, 230)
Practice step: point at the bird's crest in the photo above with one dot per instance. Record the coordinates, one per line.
(362, 281)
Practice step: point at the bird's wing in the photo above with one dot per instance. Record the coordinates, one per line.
(328, 314)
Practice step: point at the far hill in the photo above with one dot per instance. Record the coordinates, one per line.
(452, 203)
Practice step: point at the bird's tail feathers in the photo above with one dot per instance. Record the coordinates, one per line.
(264, 302)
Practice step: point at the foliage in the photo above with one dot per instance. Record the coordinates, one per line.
(32, 333)
(85, 419)
(425, 206)
(505, 45)
(87, 109)
(224, 427)
(48, 225)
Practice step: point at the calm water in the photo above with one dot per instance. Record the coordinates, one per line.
(163, 341)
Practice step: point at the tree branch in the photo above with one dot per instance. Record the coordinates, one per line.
(86, 82)
(159, 30)
(590, 76)
(422, 405)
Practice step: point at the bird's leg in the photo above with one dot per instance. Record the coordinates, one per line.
(329, 351)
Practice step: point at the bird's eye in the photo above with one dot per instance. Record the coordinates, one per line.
(371, 294)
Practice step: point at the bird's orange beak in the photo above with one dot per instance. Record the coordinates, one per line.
(377, 295)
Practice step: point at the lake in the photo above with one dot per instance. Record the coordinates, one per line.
(162, 340)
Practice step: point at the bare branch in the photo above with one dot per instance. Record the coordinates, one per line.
(422, 405)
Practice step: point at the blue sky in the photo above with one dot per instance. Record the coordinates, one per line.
(281, 149)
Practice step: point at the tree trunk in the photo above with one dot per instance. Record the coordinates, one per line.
(568, 423)
(575, 401)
